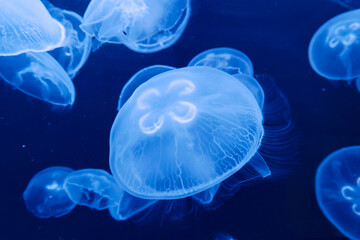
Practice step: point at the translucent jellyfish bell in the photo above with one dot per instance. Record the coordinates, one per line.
(77, 44)
(337, 187)
(228, 60)
(94, 188)
(182, 132)
(139, 78)
(45, 195)
(142, 25)
(253, 85)
(26, 25)
(40, 76)
(335, 47)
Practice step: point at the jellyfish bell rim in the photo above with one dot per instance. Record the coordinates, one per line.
(200, 187)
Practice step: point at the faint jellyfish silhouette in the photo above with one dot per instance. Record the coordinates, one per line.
(226, 59)
(26, 25)
(203, 134)
(40, 76)
(350, 4)
(144, 26)
(253, 85)
(223, 236)
(337, 187)
(77, 44)
(139, 78)
(94, 188)
(335, 48)
(45, 195)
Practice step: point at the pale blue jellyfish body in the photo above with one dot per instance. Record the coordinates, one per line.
(139, 78)
(253, 85)
(94, 188)
(226, 59)
(337, 186)
(26, 25)
(335, 47)
(142, 25)
(45, 195)
(77, 44)
(38, 75)
(180, 133)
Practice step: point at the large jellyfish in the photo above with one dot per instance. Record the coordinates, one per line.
(337, 187)
(144, 26)
(26, 25)
(179, 134)
(45, 195)
(335, 47)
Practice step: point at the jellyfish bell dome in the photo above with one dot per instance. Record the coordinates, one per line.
(180, 133)
(334, 49)
(337, 187)
(226, 59)
(26, 25)
(144, 26)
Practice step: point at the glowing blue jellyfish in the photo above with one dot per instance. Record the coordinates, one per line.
(142, 25)
(223, 236)
(228, 60)
(139, 78)
(77, 44)
(45, 195)
(25, 25)
(38, 75)
(335, 47)
(180, 134)
(94, 188)
(337, 186)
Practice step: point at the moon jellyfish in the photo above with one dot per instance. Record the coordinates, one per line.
(94, 188)
(253, 85)
(77, 44)
(139, 78)
(228, 60)
(335, 47)
(45, 195)
(180, 134)
(337, 187)
(144, 26)
(40, 76)
(26, 25)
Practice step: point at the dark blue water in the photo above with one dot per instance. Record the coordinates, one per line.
(275, 35)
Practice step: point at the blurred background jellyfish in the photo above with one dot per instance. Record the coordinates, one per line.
(144, 26)
(337, 187)
(26, 25)
(350, 4)
(223, 236)
(335, 47)
(45, 195)
(202, 134)
(38, 75)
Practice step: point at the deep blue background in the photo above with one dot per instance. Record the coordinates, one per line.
(275, 35)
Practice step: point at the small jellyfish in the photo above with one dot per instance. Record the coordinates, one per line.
(183, 132)
(223, 236)
(77, 44)
(45, 195)
(144, 26)
(94, 188)
(38, 75)
(337, 187)
(26, 25)
(334, 49)
(229, 60)
(139, 78)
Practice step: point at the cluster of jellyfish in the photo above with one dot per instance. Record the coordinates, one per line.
(197, 133)
(42, 47)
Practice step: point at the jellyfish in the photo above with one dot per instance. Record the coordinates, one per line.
(38, 75)
(94, 188)
(223, 236)
(337, 187)
(45, 195)
(144, 26)
(77, 44)
(26, 25)
(350, 4)
(226, 59)
(179, 134)
(335, 48)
